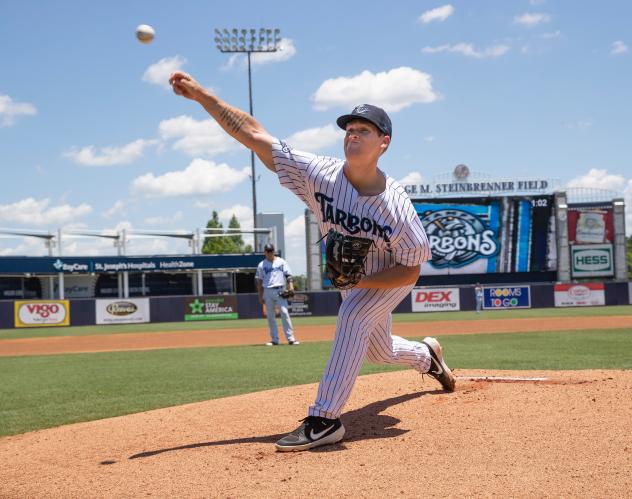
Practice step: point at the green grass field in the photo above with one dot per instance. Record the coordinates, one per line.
(299, 321)
(45, 391)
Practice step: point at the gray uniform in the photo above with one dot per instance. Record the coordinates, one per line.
(273, 276)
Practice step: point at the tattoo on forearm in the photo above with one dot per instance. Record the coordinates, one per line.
(233, 119)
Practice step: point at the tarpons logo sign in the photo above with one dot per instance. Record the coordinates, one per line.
(41, 313)
(458, 238)
(435, 299)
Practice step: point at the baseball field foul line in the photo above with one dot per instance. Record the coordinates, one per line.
(500, 378)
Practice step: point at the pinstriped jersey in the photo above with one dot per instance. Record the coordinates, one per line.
(388, 218)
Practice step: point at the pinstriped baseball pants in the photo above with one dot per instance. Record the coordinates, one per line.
(363, 330)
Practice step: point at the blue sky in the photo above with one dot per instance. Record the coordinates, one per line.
(92, 138)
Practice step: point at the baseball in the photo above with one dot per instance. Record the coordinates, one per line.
(145, 33)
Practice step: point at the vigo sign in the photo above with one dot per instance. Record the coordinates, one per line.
(42, 313)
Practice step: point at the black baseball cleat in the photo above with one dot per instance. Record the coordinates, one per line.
(313, 432)
(439, 370)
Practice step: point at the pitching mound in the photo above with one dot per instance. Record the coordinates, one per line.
(569, 434)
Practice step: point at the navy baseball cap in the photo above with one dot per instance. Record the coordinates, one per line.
(372, 114)
(268, 247)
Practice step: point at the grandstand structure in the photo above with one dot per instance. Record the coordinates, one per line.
(120, 273)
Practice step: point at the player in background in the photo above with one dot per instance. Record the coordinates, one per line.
(478, 294)
(272, 274)
(354, 197)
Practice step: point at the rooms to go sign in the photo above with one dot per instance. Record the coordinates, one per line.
(592, 260)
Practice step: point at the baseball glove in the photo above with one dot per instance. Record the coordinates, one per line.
(286, 293)
(346, 257)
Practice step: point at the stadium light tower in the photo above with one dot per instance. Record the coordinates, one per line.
(248, 41)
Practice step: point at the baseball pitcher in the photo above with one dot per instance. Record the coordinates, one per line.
(375, 247)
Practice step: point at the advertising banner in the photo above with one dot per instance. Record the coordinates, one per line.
(42, 313)
(630, 292)
(590, 224)
(435, 299)
(207, 308)
(579, 295)
(75, 286)
(592, 260)
(503, 297)
(464, 238)
(300, 304)
(487, 235)
(122, 311)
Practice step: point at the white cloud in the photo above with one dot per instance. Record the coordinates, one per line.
(9, 110)
(244, 217)
(164, 220)
(552, 34)
(412, 178)
(197, 138)
(200, 177)
(31, 211)
(295, 244)
(315, 139)
(467, 49)
(532, 19)
(599, 179)
(26, 246)
(116, 209)
(393, 90)
(286, 51)
(242, 212)
(537, 2)
(579, 124)
(429, 138)
(618, 48)
(109, 156)
(159, 72)
(439, 14)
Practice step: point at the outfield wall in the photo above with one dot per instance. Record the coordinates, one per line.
(88, 312)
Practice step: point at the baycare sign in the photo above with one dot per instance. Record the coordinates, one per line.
(42, 313)
(435, 299)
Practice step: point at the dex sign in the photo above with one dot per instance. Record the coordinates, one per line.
(592, 260)
(435, 299)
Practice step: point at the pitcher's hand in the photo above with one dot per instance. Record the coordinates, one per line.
(183, 84)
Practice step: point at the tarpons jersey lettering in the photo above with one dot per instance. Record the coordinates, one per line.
(388, 218)
(350, 222)
(363, 329)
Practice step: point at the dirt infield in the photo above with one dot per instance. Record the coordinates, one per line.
(569, 436)
(206, 338)
(508, 435)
